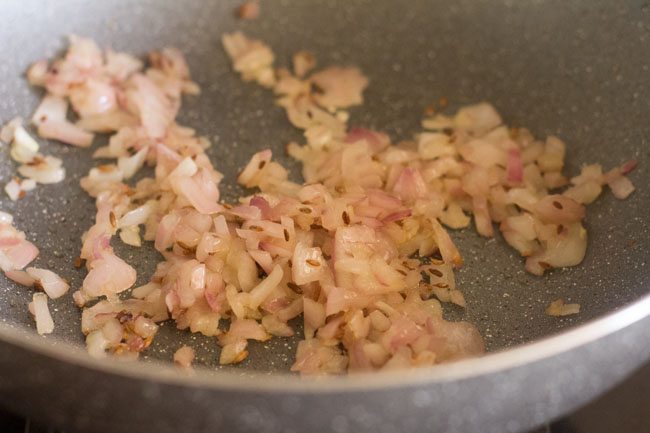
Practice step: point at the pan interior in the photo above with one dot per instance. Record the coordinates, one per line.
(573, 70)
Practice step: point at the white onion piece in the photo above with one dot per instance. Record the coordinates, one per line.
(233, 353)
(130, 165)
(165, 231)
(45, 170)
(184, 356)
(154, 109)
(107, 122)
(121, 65)
(454, 217)
(559, 209)
(65, 132)
(448, 250)
(44, 322)
(28, 184)
(6, 218)
(243, 329)
(254, 167)
(37, 73)
(145, 290)
(130, 235)
(145, 327)
(113, 331)
(341, 87)
(275, 326)
(303, 62)
(260, 292)
(105, 173)
(314, 314)
(96, 344)
(51, 283)
(308, 264)
(559, 308)
(482, 216)
(552, 159)
(50, 118)
(252, 58)
(83, 53)
(564, 249)
(17, 256)
(585, 192)
(138, 215)
(23, 148)
(410, 185)
(482, 153)
(621, 187)
(438, 122)
(108, 275)
(51, 108)
(200, 190)
(13, 189)
(21, 277)
(93, 97)
(433, 145)
(478, 119)
(7, 131)
(186, 168)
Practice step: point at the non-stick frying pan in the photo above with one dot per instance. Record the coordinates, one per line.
(577, 69)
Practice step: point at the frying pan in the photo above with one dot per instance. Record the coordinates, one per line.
(575, 69)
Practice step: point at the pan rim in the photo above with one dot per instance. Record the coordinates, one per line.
(256, 382)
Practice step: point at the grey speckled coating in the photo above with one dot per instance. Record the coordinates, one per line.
(580, 70)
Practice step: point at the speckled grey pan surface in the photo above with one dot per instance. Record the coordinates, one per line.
(576, 69)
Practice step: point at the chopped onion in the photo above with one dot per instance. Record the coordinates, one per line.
(184, 356)
(308, 264)
(50, 117)
(7, 131)
(23, 148)
(233, 353)
(130, 165)
(51, 283)
(45, 170)
(13, 189)
(341, 87)
(154, 109)
(21, 277)
(264, 289)
(303, 62)
(15, 251)
(44, 322)
(37, 73)
(130, 235)
(108, 275)
(478, 119)
(559, 308)
(51, 108)
(6, 218)
(359, 250)
(137, 216)
(94, 97)
(65, 132)
(621, 187)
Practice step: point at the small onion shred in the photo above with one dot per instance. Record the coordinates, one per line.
(184, 357)
(560, 308)
(44, 322)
